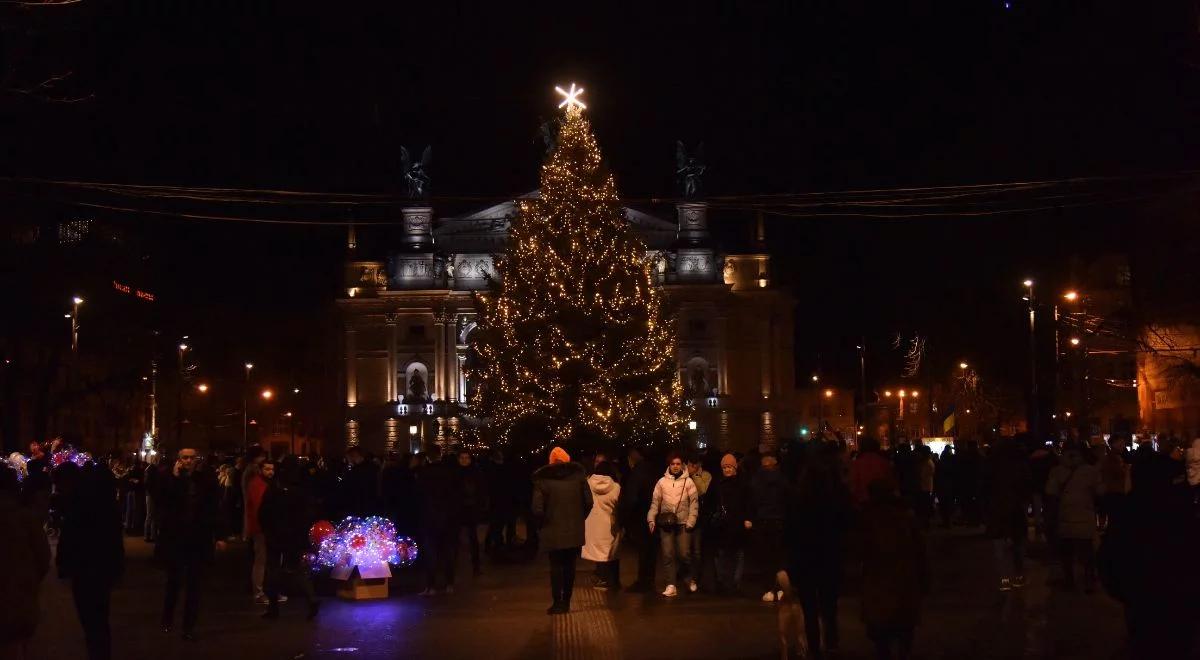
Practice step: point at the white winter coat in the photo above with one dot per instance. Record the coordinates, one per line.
(600, 538)
(1193, 463)
(676, 494)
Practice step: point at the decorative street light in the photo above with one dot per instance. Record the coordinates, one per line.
(267, 394)
(202, 388)
(245, 396)
(183, 348)
(76, 302)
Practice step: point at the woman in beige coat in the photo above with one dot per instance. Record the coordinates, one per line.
(601, 531)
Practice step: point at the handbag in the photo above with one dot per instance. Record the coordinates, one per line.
(666, 519)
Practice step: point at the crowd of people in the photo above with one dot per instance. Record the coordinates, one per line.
(778, 526)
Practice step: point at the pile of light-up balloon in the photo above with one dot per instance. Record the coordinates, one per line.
(356, 541)
(61, 456)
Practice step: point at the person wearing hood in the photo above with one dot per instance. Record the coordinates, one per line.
(674, 510)
(768, 505)
(562, 501)
(602, 532)
(1075, 485)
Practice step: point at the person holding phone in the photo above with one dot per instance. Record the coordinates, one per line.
(189, 532)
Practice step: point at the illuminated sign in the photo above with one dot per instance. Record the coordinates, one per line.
(126, 289)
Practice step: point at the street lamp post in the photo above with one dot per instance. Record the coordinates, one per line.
(179, 400)
(75, 303)
(862, 380)
(1033, 383)
(245, 395)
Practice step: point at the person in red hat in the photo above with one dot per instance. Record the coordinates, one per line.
(561, 502)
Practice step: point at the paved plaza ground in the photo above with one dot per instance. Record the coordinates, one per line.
(501, 614)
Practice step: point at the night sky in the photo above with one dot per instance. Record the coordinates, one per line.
(787, 97)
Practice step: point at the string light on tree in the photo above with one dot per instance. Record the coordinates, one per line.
(574, 336)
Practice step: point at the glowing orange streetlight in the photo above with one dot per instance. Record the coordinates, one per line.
(828, 394)
(915, 394)
(202, 388)
(1072, 296)
(887, 392)
(1074, 341)
(267, 394)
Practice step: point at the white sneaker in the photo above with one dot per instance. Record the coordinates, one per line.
(670, 591)
(769, 597)
(260, 598)
(282, 598)
(779, 596)
(693, 587)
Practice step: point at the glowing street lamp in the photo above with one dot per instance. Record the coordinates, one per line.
(267, 395)
(74, 316)
(828, 394)
(914, 394)
(963, 366)
(1074, 341)
(815, 378)
(202, 388)
(887, 393)
(1071, 296)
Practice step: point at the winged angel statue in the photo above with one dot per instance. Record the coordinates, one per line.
(689, 170)
(416, 175)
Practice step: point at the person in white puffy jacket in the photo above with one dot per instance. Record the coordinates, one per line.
(602, 532)
(674, 509)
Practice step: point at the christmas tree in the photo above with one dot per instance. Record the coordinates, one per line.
(573, 342)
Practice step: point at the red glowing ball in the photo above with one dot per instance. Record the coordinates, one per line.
(358, 542)
(318, 532)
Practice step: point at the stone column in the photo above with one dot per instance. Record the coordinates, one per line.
(437, 383)
(765, 353)
(390, 319)
(451, 359)
(418, 226)
(722, 356)
(693, 222)
(351, 368)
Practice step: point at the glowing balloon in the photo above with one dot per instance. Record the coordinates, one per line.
(319, 530)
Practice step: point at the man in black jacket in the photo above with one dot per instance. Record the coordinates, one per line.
(637, 489)
(562, 502)
(285, 516)
(435, 487)
(189, 531)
